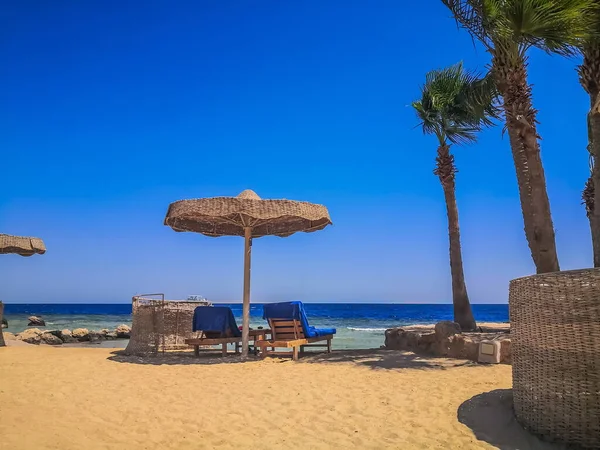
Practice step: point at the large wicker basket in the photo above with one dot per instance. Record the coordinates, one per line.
(160, 325)
(555, 328)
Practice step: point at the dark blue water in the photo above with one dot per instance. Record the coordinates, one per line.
(359, 325)
(397, 313)
(66, 309)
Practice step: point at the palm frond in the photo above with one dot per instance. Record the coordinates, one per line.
(461, 135)
(555, 26)
(483, 97)
(456, 104)
(470, 14)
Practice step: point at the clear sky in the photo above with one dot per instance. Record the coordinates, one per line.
(109, 111)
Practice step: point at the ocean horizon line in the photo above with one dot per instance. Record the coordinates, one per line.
(257, 303)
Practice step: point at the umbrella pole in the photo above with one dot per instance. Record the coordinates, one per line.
(246, 305)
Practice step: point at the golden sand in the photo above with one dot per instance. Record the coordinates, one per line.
(80, 398)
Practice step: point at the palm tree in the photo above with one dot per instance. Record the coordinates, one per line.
(589, 77)
(508, 29)
(454, 106)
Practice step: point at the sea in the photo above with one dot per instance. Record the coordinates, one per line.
(359, 325)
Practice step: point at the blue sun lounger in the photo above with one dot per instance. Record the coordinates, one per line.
(290, 329)
(217, 326)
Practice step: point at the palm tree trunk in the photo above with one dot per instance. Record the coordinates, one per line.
(589, 76)
(587, 197)
(446, 171)
(595, 212)
(511, 77)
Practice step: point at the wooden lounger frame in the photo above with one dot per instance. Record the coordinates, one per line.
(288, 333)
(196, 343)
(204, 341)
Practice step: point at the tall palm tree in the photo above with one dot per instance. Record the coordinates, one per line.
(508, 29)
(454, 106)
(589, 77)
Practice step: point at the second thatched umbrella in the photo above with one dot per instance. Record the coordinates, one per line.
(24, 246)
(250, 216)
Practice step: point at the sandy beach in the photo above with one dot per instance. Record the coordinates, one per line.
(73, 398)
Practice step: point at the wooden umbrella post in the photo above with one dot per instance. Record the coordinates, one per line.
(246, 305)
(2, 344)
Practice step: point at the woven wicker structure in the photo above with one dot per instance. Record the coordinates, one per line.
(555, 328)
(160, 325)
(2, 344)
(24, 246)
(250, 216)
(229, 216)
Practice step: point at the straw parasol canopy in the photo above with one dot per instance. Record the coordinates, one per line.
(250, 216)
(229, 216)
(24, 246)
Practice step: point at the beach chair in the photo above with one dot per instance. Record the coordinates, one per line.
(217, 326)
(290, 329)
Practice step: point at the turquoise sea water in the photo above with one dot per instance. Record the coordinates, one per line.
(359, 325)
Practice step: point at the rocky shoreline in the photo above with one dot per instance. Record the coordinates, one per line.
(445, 339)
(36, 336)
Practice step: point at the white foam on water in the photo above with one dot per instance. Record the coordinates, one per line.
(365, 329)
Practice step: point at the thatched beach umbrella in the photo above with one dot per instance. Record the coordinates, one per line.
(250, 216)
(24, 246)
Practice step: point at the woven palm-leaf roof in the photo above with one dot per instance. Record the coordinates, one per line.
(24, 246)
(228, 216)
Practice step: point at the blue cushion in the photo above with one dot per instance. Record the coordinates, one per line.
(322, 331)
(216, 319)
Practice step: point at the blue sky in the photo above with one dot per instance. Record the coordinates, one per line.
(109, 111)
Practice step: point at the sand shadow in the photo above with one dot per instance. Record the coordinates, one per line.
(491, 418)
(179, 358)
(385, 359)
(373, 358)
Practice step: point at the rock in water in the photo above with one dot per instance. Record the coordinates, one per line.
(50, 339)
(9, 336)
(445, 329)
(31, 336)
(107, 334)
(35, 321)
(111, 335)
(81, 334)
(67, 337)
(96, 336)
(123, 331)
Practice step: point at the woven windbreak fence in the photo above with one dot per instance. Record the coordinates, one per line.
(555, 328)
(2, 344)
(160, 325)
